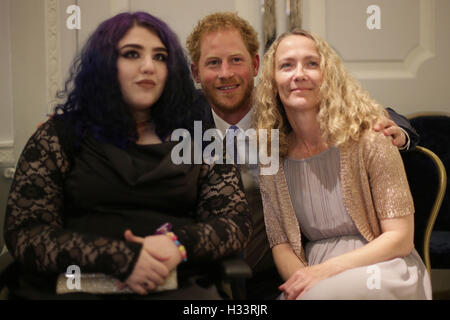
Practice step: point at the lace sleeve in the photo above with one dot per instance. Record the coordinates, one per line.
(224, 223)
(34, 218)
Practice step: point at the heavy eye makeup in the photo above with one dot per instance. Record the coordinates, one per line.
(130, 54)
(135, 52)
(160, 56)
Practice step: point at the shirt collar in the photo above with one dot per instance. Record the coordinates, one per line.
(243, 124)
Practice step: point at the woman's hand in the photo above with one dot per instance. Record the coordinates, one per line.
(148, 273)
(302, 280)
(159, 255)
(158, 246)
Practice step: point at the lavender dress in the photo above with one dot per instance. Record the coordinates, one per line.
(315, 190)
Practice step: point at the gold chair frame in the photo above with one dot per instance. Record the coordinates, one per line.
(442, 186)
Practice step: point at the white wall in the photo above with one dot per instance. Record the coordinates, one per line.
(6, 101)
(28, 65)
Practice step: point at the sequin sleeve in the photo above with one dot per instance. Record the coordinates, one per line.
(34, 222)
(387, 178)
(223, 226)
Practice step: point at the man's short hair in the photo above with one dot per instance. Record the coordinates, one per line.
(221, 21)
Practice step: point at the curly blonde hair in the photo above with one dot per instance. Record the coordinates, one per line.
(345, 111)
(221, 21)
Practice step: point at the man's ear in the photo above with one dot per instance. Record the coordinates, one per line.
(256, 63)
(195, 74)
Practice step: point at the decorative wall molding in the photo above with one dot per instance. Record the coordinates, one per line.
(6, 153)
(53, 52)
(408, 68)
(315, 19)
(6, 89)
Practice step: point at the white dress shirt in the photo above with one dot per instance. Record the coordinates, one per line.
(244, 124)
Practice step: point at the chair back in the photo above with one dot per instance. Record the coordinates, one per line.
(434, 131)
(427, 180)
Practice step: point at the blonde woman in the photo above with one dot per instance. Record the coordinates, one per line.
(339, 213)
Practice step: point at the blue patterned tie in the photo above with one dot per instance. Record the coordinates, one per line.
(234, 129)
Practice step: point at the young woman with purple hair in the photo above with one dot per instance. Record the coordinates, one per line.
(96, 191)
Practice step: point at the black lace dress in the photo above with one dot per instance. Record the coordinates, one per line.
(72, 208)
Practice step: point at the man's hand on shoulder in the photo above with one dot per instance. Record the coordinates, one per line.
(389, 128)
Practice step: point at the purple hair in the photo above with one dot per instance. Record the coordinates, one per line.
(94, 104)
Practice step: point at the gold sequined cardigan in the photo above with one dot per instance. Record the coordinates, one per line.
(373, 183)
